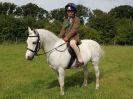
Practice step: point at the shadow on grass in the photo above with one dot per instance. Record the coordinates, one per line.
(73, 80)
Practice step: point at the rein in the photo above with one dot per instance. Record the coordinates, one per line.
(56, 49)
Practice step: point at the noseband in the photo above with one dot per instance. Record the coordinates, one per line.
(37, 43)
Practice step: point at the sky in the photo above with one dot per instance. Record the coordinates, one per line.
(104, 5)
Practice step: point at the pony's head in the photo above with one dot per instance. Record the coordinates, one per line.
(33, 44)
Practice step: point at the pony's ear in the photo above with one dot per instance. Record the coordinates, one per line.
(29, 30)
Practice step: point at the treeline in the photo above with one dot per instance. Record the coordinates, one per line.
(114, 27)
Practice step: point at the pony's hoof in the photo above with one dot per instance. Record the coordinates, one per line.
(97, 88)
(84, 85)
(62, 93)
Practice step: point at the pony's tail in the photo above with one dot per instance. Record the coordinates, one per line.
(101, 52)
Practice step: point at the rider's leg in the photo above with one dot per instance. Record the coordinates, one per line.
(76, 49)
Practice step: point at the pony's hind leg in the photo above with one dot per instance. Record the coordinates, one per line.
(85, 69)
(97, 72)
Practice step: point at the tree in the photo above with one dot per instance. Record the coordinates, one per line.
(42, 13)
(87, 32)
(105, 24)
(124, 31)
(34, 11)
(124, 11)
(19, 12)
(1, 8)
(30, 10)
(7, 8)
(58, 14)
(82, 11)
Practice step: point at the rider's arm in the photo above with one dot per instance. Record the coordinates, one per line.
(62, 32)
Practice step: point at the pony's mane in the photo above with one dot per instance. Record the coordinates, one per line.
(49, 34)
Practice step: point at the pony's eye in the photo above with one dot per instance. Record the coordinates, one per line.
(34, 42)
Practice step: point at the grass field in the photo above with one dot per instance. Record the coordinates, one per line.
(22, 79)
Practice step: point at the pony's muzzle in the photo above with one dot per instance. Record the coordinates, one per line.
(29, 57)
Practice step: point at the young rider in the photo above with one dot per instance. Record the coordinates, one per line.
(69, 31)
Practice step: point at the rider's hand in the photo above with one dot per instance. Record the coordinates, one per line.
(65, 39)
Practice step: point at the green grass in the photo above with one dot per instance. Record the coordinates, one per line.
(22, 79)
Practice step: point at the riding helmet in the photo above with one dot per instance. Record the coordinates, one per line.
(71, 7)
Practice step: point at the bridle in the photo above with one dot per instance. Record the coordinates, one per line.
(38, 46)
(37, 43)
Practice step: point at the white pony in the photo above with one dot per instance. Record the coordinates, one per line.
(58, 56)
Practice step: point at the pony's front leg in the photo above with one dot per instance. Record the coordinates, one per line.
(61, 80)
